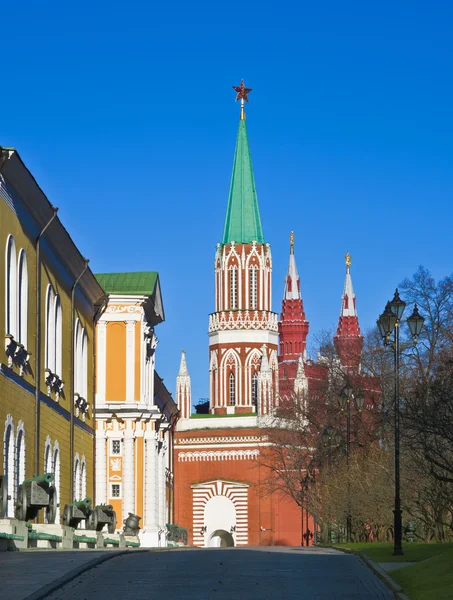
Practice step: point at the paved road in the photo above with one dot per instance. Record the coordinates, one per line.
(23, 573)
(229, 574)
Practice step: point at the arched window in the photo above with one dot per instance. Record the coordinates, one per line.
(232, 390)
(77, 361)
(8, 463)
(58, 337)
(50, 329)
(253, 287)
(76, 478)
(20, 455)
(22, 309)
(56, 473)
(233, 287)
(48, 456)
(11, 287)
(255, 389)
(84, 364)
(83, 479)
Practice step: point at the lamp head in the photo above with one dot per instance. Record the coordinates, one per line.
(415, 322)
(397, 305)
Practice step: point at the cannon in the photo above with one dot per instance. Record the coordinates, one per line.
(101, 515)
(131, 525)
(3, 495)
(76, 512)
(34, 494)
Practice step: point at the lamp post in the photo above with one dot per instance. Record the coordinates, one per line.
(331, 438)
(344, 400)
(388, 323)
(306, 481)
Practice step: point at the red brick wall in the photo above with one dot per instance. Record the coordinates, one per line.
(277, 514)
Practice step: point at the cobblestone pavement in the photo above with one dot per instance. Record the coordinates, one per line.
(229, 574)
(23, 573)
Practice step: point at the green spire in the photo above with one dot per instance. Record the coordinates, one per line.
(242, 223)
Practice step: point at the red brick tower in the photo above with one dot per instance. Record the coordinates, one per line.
(292, 328)
(349, 341)
(219, 481)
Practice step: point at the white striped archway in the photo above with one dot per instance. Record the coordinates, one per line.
(236, 492)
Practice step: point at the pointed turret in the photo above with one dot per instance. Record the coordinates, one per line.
(301, 381)
(348, 341)
(183, 389)
(265, 388)
(293, 326)
(242, 223)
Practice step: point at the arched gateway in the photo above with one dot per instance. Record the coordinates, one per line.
(220, 514)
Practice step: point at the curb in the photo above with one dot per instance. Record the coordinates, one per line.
(47, 589)
(383, 575)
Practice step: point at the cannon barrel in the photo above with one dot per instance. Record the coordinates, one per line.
(82, 504)
(44, 478)
(105, 507)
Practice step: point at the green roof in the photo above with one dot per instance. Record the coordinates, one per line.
(140, 283)
(242, 223)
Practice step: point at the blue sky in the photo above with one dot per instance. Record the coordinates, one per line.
(124, 113)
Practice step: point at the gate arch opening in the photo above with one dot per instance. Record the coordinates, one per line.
(221, 539)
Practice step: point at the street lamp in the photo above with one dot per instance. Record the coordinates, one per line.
(389, 322)
(331, 438)
(344, 400)
(305, 482)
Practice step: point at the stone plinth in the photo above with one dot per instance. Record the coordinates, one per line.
(118, 537)
(52, 529)
(96, 538)
(12, 530)
(132, 541)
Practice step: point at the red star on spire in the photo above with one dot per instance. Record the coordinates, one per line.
(242, 92)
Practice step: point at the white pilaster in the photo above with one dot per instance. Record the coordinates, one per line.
(128, 471)
(130, 361)
(150, 479)
(162, 488)
(101, 465)
(101, 360)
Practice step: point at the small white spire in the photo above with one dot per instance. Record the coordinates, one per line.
(264, 360)
(183, 365)
(301, 381)
(292, 278)
(348, 303)
(183, 389)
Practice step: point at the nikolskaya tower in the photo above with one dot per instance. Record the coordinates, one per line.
(243, 330)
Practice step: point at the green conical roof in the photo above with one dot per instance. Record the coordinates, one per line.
(242, 223)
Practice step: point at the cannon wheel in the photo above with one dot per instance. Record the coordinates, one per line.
(67, 516)
(112, 526)
(92, 522)
(21, 504)
(3, 495)
(51, 509)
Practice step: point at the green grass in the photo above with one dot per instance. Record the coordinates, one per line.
(413, 552)
(428, 580)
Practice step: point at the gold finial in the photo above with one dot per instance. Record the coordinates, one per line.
(348, 260)
(291, 241)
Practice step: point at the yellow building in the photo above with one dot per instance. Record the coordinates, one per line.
(135, 413)
(49, 300)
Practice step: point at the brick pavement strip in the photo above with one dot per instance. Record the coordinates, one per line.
(24, 574)
(223, 574)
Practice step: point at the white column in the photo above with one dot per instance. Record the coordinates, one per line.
(162, 487)
(130, 361)
(101, 466)
(150, 479)
(101, 361)
(128, 471)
